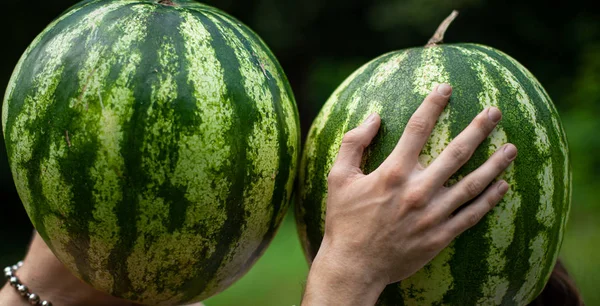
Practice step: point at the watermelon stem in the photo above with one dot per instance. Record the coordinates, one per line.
(438, 36)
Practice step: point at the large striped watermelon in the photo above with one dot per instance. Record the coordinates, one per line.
(154, 146)
(507, 258)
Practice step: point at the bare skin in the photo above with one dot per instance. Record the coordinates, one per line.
(47, 277)
(383, 227)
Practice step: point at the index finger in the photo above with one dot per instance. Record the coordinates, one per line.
(420, 125)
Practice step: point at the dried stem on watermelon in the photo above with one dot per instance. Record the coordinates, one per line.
(438, 36)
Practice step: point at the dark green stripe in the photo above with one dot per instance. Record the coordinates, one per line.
(245, 114)
(58, 119)
(184, 107)
(322, 142)
(75, 168)
(544, 114)
(280, 199)
(464, 107)
(526, 226)
(134, 178)
(394, 116)
(26, 86)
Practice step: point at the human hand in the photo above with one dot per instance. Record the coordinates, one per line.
(47, 277)
(383, 227)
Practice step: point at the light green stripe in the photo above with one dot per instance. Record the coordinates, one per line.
(23, 138)
(430, 72)
(501, 228)
(36, 104)
(545, 214)
(547, 102)
(56, 229)
(539, 244)
(115, 109)
(56, 190)
(436, 277)
(287, 102)
(262, 151)
(17, 72)
(385, 70)
(525, 103)
(58, 195)
(427, 76)
(333, 150)
(154, 210)
(209, 140)
(203, 153)
(380, 74)
(564, 149)
(539, 247)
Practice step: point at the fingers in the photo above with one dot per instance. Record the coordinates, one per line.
(462, 147)
(419, 128)
(474, 183)
(352, 148)
(472, 214)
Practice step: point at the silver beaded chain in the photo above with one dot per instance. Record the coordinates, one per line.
(34, 299)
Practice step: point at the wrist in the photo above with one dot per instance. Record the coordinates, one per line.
(9, 296)
(335, 279)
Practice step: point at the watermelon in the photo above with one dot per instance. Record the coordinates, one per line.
(507, 258)
(154, 146)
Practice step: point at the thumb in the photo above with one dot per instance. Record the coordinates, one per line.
(353, 146)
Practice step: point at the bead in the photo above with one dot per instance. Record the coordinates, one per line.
(22, 289)
(20, 263)
(14, 281)
(15, 267)
(8, 274)
(46, 303)
(7, 269)
(33, 299)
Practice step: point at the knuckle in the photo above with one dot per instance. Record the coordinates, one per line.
(352, 137)
(492, 200)
(437, 100)
(437, 243)
(473, 188)
(334, 177)
(394, 175)
(473, 218)
(498, 164)
(424, 223)
(417, 125)
(415, 198)
(483, 124)
(459, 151)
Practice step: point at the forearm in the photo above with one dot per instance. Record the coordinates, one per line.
(332, 282)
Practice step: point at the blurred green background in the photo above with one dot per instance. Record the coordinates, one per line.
(319, 43)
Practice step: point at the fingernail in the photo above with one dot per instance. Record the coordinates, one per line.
(510, 151)
(494, 114)
(444, 89)
(369, 119)
(503, 187)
